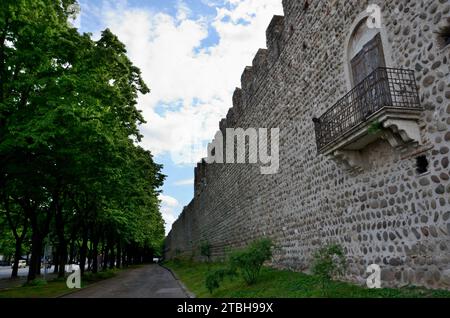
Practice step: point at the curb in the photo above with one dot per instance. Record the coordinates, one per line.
(188, 293)
(76, 290)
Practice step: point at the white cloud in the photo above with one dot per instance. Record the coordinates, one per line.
(184, 182)
(183, 11)
(74, 18)
(200, 80)
(169, 210)
(168, 200)
(169, 217)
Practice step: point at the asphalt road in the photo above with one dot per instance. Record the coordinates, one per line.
(5, 275)
(5, 271)
(149, 281)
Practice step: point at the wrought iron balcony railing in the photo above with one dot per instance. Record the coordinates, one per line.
(384, 87)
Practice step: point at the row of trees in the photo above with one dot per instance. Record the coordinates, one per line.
(71, 172)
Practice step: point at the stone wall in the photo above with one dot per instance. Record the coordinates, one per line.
(386, 214)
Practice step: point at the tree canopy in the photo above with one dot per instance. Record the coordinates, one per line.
(72, 173)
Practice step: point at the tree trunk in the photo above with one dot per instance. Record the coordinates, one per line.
(62, 242)
(83, 251)
(18, 238)
(62, 261)
(39, 262)
(119, 256)
(95, 255)
(105, 256)
(72, 251)
(130, 255)
(124, 257)
(35, 264)
(129, 260)
(89, 257)
(17, 256)
(112, 258)
(56, 262)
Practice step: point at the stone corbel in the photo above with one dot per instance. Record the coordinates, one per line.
(391, 138)
(408, 130)
(352, 158)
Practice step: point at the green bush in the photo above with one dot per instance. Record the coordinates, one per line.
(250, 260)
(177, 256)
(94, 277)
(205, 250)
(329, 262)
(177, 252)
(36, 282)
(246, 263)
(215, 277)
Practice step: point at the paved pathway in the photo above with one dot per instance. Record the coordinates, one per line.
(149, 281)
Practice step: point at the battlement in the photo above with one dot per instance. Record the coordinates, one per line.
(259, 64)
(237, 101)
(247, 79)
(293, 8)
(223, 125)
(274, 37)
(199, 177)
(230, 119)
(252, 75)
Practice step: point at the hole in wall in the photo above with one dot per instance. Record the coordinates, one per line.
(305, 5)
(421, 164)
(443, 36)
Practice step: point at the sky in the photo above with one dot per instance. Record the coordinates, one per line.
(191, 54)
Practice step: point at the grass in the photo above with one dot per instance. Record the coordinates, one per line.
(51, 289)
(54, 288)
(274, 283)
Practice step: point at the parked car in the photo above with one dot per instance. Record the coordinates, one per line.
(49, 265)
(48, 262)
(22, 263)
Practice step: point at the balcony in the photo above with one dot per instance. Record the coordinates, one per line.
(385, 105)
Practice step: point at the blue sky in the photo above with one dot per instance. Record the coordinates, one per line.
(191, 54)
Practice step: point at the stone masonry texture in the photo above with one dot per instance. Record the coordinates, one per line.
(387, 214)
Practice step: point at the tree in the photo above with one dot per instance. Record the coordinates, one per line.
(70, 166)
(7, 241)
(14, 223)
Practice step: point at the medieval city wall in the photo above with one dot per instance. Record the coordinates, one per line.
(386, 214)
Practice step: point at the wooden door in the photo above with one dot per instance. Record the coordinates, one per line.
(370, 96)
(368, 59)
